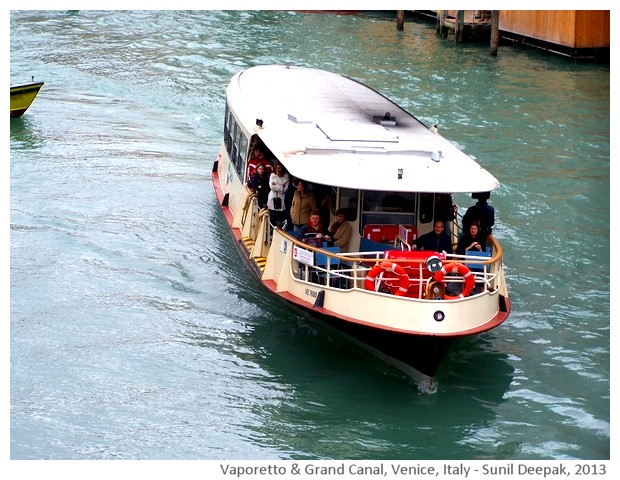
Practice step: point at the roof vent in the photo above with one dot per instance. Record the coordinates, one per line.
(386, 120)
(299, 118)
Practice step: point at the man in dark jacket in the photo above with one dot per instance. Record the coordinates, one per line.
(481, 212)
(436, 241)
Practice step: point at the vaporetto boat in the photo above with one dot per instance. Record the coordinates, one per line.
(384, 168)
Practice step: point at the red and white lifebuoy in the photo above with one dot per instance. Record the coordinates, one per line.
(369, 283)
(463, 271)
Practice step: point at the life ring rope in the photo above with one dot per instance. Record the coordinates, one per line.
(369, 282)
(463, 271)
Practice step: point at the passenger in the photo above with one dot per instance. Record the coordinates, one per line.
(481, 211)
(302, 206)
(278, 185)
(473, 240)
(288, 201)
(445, 209)
(436, 241)
(258, 157)
(312, 232)
(322, 194)
(341, 231)
(260, 184)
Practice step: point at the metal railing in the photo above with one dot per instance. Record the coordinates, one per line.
(348, 271)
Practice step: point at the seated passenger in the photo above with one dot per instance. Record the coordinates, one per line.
(473, 240)
(436, 241)
(312, 232)
(341, 231)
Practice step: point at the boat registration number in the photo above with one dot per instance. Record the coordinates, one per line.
(311, 293)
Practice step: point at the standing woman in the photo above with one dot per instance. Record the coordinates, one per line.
(303, 204)
(278, 185)
(260, 184)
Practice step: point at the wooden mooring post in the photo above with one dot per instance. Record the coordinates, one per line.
(400, 19)
(441, 23)
(494, 32)
(459, 26)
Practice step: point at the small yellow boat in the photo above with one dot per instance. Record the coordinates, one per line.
(22, 97)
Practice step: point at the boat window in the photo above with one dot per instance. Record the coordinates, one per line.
(375, 201)
(235, 148)
(243, 148)
(427, 204)
(348, 202)
(388, 208)
(235, 141)
(227, 130)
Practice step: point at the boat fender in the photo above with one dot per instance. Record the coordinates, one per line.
(369, 283)
(463, 271)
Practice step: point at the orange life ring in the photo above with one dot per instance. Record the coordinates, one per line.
(369, 283)
(463, 271)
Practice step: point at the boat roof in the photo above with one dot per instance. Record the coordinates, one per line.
(330, 129)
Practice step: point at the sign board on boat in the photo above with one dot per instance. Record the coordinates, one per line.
(302, 255)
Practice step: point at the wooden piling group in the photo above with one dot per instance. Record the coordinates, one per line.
(576, 33)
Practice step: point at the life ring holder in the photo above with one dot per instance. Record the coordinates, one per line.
(369, 283)
(435, 290)
(463, 271)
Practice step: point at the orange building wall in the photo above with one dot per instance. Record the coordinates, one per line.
(570, 28)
